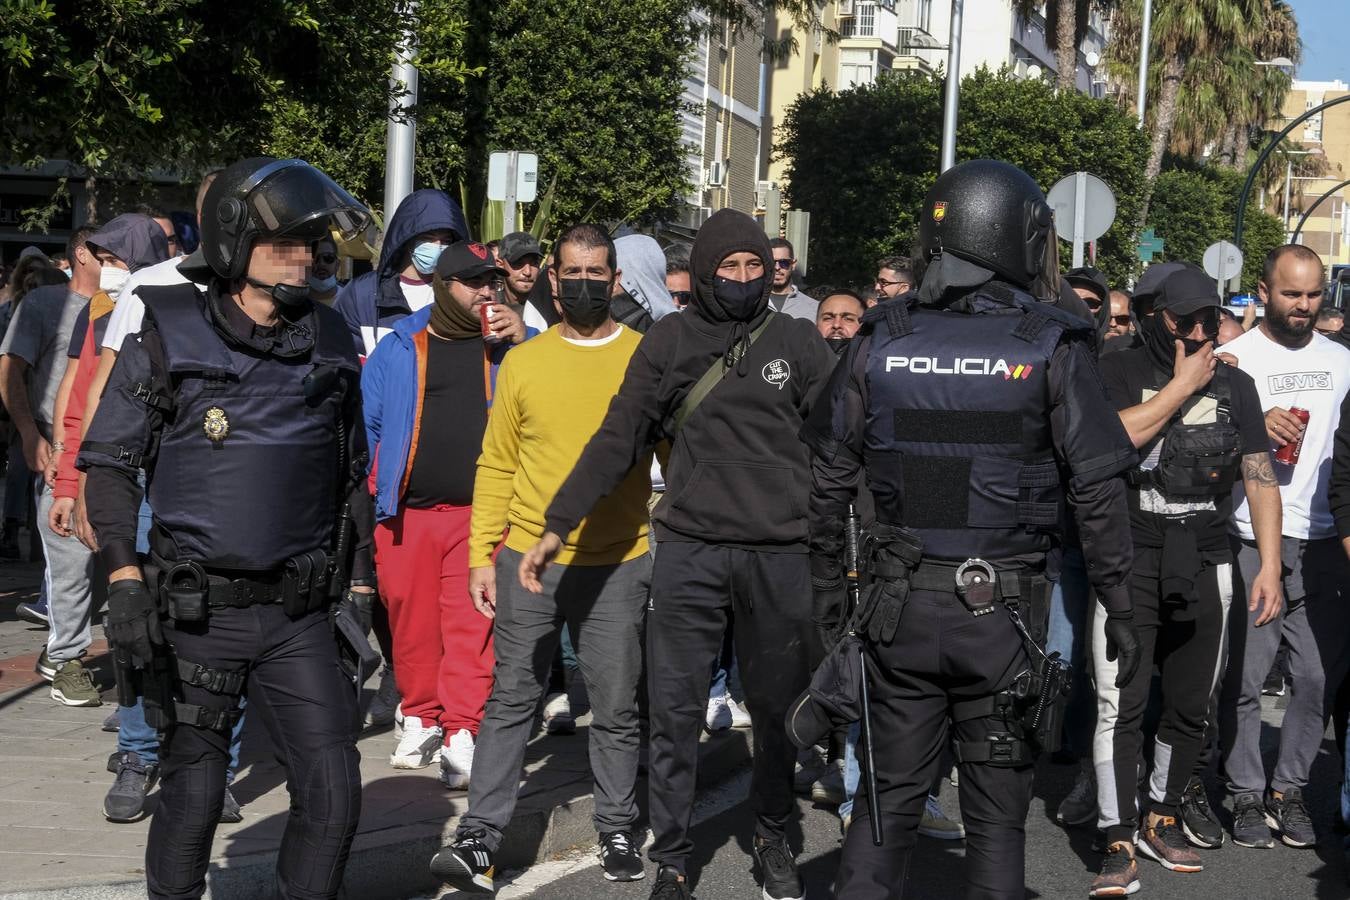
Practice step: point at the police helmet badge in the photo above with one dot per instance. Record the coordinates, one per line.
(216, 424)
(939, 211)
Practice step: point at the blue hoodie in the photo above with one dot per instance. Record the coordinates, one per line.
(373, 302)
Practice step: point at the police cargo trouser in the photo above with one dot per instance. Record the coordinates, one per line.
(943, 660)
(293, 680)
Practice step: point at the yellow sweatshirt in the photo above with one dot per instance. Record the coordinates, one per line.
(551, 396)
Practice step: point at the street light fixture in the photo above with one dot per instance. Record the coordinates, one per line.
(1279, 62)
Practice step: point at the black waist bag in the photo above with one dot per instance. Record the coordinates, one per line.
(1199, 460)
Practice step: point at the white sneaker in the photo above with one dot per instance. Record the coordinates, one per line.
(457, 760)
(740, 718)
(828, 789)
(420, 744)
(719, 714)
(935, 824)
(558, 715)
(385, 702)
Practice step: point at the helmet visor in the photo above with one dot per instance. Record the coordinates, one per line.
(292, 198)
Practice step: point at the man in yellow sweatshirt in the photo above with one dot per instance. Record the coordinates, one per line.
(552, 394)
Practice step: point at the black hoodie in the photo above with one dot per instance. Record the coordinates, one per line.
(738, 474)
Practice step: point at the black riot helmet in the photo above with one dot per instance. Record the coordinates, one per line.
(268, 197)
(989, 213)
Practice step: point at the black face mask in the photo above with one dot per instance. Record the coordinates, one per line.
(585, 301)
(1159, 340)
(289, 295)
(740, 300)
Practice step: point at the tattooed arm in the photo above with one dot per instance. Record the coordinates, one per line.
(1263, 496)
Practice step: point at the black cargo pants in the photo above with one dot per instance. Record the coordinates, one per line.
(310, 712)
(941, 655)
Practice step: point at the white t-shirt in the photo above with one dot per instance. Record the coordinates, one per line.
(129, 313)
(1316, 378)
(418, 294)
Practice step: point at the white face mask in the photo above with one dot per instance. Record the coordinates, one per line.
(112, 279)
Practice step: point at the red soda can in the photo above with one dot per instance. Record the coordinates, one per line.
(1288, 454)
(485, 317)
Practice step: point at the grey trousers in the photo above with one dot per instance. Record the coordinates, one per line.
(1316, 623)
(69, 582)
(604, 608)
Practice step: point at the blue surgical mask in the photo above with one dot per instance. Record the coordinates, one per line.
(424, 256)
(322, 285)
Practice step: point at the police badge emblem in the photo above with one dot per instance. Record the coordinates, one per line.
(216, 424)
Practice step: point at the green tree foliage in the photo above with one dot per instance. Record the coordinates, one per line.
(592, 87)
(121, 87)
(1194, 206)
(862, 160)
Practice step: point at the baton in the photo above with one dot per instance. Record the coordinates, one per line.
(855, 597)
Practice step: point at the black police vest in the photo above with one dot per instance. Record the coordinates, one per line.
(958, 445)
(246, 472)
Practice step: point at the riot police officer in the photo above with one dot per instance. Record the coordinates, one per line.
(969, 406)
(238, 403)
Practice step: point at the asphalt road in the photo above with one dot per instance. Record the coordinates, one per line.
(1060, 864)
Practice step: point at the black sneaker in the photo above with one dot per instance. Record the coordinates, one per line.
(778, 870)
(1197, 819)
(1249, 823)
(670, 885)
(619, 857)
(230, 813)
(1289, 816)
(466, 865)
(125, 801)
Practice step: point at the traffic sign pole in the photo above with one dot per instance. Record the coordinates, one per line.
(509, 212)
(1079, 217)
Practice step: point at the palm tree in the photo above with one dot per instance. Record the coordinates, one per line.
(1182, 31)
(1071, 19)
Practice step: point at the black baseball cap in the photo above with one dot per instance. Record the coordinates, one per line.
(517, 244)
(1187, 290)
(467, 259)
(1090, 278)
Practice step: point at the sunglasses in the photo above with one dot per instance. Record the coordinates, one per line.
(784, 263)
(682, 298)
(1120, 320)
(1207, 319)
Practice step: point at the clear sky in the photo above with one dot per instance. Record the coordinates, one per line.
(1323, 25)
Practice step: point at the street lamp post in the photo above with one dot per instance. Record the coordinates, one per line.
(1265, 154)
(1289, 180)
(953, 90)
(1145, 35)
(401, 138)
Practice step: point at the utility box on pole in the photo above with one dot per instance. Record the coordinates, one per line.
(513, 177)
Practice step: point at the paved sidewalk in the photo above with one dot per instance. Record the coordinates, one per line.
(55, 843)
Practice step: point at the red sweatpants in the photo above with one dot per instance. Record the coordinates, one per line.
(442, 645)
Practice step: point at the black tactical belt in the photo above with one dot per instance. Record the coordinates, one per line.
(241, 593)
(932, 576)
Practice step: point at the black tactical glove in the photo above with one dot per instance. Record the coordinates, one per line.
(1122, 643)
(881, 606)
(132, 624)
(363, 607)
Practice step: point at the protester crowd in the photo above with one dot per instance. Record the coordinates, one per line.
(548, 511)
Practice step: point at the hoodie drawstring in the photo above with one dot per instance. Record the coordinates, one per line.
(737, 347)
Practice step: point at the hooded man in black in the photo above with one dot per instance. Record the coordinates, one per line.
(732, 529)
